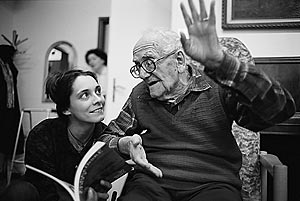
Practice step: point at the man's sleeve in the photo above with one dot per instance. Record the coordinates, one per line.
(125, 124)
(253, 99)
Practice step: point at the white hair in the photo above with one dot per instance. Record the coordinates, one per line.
(162, 40)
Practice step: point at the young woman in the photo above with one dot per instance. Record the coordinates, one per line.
(57, 145)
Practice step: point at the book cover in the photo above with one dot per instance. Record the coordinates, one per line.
(99, 163)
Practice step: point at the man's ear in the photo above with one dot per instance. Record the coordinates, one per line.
(181, 62)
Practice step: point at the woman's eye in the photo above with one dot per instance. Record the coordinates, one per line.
(98, 91)
(84, 95)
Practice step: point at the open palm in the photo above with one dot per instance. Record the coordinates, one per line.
(202, 44)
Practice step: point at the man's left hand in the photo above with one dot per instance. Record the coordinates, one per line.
(202, 44)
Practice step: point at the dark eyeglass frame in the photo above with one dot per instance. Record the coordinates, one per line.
(136, 68)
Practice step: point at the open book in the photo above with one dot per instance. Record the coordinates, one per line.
(100, 162)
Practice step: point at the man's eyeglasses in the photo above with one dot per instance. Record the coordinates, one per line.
(148, 65)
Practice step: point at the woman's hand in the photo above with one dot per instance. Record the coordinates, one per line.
(92, 195)
(202, 44)
(132, 145)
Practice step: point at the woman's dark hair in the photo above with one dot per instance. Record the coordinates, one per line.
(59, 87)
(100, 53)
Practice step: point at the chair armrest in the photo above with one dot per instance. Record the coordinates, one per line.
(271, 163)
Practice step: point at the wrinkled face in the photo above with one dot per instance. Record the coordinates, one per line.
(95, 62)
(86, 100)
(162, 82)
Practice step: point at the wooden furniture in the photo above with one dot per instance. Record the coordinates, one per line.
(284, 138)
(270, 164)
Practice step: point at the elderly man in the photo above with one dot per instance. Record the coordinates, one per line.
(181, 117)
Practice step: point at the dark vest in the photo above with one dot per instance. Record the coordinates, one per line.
(193, 147)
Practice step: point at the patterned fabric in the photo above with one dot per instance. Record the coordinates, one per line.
(247, 140)
(237, 48)
(248, 143)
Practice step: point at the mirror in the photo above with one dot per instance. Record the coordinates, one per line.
(60, 57)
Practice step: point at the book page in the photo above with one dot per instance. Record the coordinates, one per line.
(99, 163)
(69, 187)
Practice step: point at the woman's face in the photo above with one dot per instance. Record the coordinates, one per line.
(95, 62)
(86, 101)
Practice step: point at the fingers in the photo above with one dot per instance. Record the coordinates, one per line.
(212, 15)
(145, 164)
(102, 196)
(183, 38)
(138, 155)
(185, 15)
(195, 15)
(106, 184)
(136, 140)
(92, 195)
(203, 14)
(184, 41)
(156, 171)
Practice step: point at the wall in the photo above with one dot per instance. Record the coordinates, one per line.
(261, 43)
(44, 22)
(6, 25)
(129, 19)
(47, 21)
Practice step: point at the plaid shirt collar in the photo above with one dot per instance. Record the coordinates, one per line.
(197, 84)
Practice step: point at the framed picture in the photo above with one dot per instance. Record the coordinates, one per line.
(286, 70)
(260, 14)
